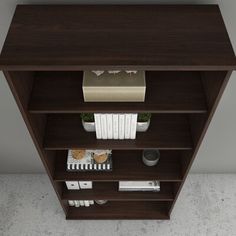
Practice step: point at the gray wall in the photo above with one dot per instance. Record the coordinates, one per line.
(217, 154)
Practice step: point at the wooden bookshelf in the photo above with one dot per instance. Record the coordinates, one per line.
(127, 165)
(61, 92)
(187, 57)
(109, 191)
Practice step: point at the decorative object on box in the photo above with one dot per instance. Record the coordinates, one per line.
(78, 154)
(116, 126)
(116, 87)
(100, 72)
(151, 157)
(88, 121)
(101, 202)
(100, 156)
(143, 123)
(88, 163)
(139, 186)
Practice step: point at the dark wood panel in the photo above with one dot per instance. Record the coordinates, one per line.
(199, 123)
(166, 92)
(165, 132)
(77, 37)
(127, 165)
(20, 84)
(121, 210)
(110, 191)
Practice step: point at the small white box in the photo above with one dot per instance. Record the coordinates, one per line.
(120, 87)
(86, 184)
(72, 185)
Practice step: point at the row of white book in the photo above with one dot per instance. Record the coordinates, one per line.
(80, 203)
(116, 126)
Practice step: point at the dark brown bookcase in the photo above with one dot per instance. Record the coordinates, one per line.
(187, 57)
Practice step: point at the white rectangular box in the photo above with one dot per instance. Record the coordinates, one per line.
(86, 184)
(139, 185)
(120, 87)
(72, 185)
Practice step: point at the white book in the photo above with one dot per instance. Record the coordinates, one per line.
(86, 203)
(104, 126)
(86, 184)
(127, 125)
(91, 202)
(81, 202)
(115, 126)
(133, 126)
(72, 185)
(77, 203)
(121, 126)
(109, 126)
(71, 202)
(97, 118)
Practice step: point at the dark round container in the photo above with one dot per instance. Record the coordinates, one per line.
(151, 157)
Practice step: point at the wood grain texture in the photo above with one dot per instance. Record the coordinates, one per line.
(127, 165)
(166, 131)
(166, 92)
(121, 210)
(78, 37)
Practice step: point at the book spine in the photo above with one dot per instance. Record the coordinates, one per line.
(115, 126)
(109, 126)
(121, 126)
(133, 126)
(127, 125)
(77, 203)
(81, 202)
(86, 203)
(97, 118)
(71, 202)
(104, 126)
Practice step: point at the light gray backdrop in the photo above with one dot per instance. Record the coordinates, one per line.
(217, 153)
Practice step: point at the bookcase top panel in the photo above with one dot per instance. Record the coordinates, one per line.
(151, 37)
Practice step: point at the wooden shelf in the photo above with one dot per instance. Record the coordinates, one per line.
(127, 165)
(154, 37)
(166, 131)
(166, 92)
(109, 191)
(121, 210)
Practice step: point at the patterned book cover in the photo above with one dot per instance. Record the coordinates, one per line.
(88, 163)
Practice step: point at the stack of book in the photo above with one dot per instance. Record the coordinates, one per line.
(88, 163)
(139, 186)
(77, 185)
(115, 126)
(80, 203)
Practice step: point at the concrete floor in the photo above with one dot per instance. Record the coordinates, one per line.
(206, 206)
